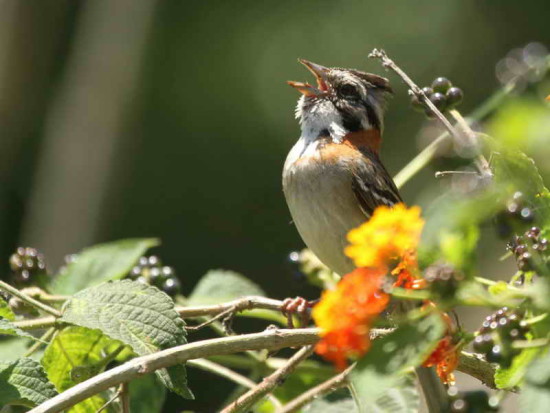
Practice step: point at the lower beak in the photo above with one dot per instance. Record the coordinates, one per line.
(320, 73)
(305, 88)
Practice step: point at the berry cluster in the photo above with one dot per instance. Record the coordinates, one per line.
(26, 264)
(529, 248)
(443, 280)
(442, 94)
(495, 337)
(149, 270)
(470, 401)
(518, 212)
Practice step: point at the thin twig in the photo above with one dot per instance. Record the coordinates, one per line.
(470, 137)
(45, 337)
(29, 300)
(334, 383)
(110, 401)
(35, 323)
(272, 339)
(241, 304)
(481, 162)
(125, 397)
(269, 383)
(229, 374)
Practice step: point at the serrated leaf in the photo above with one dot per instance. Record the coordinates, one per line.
(146, 395)
(24, 382)
(76, 347)
(5, 310)
(101, 263)
(327, 406)
(219, 286)
(401, 399)
(385, 365)
(535, 393)
(513, 375)
(136, 314)
(9, 329)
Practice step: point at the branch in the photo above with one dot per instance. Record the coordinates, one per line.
(271, 339)
(334, 383)
(241, 304)
(222, 371)
(269, 383)
(29, 300)
(36, 323)
(475, 366)
(481, 162)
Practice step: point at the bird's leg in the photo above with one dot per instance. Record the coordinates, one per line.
(299, 306)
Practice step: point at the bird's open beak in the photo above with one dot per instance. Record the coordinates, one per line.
(320, 73)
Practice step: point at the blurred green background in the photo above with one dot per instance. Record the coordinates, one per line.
(172, 118)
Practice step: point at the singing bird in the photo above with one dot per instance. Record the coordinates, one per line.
(333, 177)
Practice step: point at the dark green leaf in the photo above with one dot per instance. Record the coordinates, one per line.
(219, 286)
(101, 263)
(7, 328)
(139, 315)
(146, 395)
(24, 382)
(389, 358)
(535, 393)
(74, 349)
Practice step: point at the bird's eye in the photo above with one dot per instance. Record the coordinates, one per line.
(349, 91)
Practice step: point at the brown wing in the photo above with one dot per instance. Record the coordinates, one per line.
(372, 185)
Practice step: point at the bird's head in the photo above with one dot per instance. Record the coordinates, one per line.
(342, 102)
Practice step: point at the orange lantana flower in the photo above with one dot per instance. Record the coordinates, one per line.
(446, 354)
(387, 236)
(346, 313)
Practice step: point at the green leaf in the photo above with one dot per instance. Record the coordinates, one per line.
(219, 286)
(535, 393)
(401, 399)
(24, 382)
(459, 247)
(5, 310)
(390, 357)
(327, 406)
(73, 349)
(101, 263)
(139, 315)
(146, 395)
(9, 329)
(513, 375)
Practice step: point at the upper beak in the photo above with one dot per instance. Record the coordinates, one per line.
(320, 73)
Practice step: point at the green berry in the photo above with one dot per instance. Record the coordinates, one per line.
(441, 85)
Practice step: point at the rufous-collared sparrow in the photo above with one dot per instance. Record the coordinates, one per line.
(333, 178)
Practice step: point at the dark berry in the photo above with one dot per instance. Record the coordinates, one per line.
(513, 207)
(428, 91)
(27, 263)
(439, 101)
(171, 286)
(441, 85)
(517, 196)
(454, 96)
(495, 355)
(483, 343)
(534, 232)
(443, 279)
(417, 104)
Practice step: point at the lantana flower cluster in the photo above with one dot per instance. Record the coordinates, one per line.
(385, 244)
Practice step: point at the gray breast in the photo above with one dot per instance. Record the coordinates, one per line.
(322, 205)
